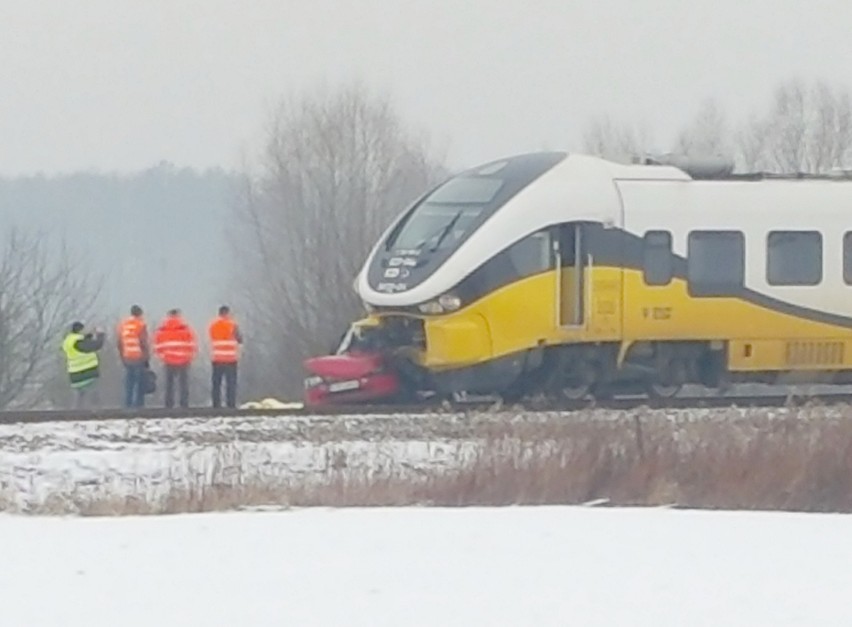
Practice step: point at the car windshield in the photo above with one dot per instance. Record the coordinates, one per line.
(447, 214)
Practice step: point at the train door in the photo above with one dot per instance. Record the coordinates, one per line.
(572, 277)
(590, 290)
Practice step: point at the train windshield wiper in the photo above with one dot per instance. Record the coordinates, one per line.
(445, 230)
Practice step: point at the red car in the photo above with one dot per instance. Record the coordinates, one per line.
(349, 378)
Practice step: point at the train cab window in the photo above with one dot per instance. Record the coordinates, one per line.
(715, 263)
(794, 258)
(531, 255)
(526, 257)
(657, 261)
(847, 257)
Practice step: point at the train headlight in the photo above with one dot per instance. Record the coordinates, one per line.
(442, 304)
(432, 307)
(450, 302)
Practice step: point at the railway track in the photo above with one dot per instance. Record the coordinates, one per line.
(473, 405)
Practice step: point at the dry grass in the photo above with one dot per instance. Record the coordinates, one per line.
(797, 460)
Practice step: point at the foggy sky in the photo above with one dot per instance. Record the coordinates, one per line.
(123, 84)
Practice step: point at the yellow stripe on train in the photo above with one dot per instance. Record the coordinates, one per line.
(619, 307)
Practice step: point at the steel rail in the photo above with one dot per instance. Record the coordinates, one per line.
(616, 404)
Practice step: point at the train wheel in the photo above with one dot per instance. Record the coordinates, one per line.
(671, 376)
(567, 376)
(575, 392)
(525, 385)
(662, 390)
(577, 381)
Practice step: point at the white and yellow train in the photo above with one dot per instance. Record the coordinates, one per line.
(574, 275)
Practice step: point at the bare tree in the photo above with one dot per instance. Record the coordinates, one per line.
(831, 136)
(706, 134)
(42, 291)
(614, 141)
(807, 129)
(337, 167)
(751, 141)
(789, 124)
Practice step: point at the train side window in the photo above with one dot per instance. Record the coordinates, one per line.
(715, 263)
(531, 255)
(847, 257)
(657, 261)
(794, 258)
(526, 257)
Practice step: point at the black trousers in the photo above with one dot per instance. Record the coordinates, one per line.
(179, 374)
(228, 372)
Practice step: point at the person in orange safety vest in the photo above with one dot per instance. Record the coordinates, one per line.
(225, 340)
(132, 342)
(176, 347)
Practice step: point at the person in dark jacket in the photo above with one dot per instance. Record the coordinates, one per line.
(82, 363)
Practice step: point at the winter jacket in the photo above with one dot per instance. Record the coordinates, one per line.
(174, 342)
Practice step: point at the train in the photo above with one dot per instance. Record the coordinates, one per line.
(572, 276)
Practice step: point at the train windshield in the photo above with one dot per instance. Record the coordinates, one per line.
(435, 227)
(447, 214)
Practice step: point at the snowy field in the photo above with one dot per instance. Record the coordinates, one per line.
(503, 566)
(148, 458)
(84, 461)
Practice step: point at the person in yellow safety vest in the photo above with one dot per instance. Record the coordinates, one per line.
(82, 363)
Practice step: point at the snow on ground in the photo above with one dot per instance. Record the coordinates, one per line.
(503, 566)
(148, 458)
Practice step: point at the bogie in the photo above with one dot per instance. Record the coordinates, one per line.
(592, 371)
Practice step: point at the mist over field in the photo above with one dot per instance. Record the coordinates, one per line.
(158, 237)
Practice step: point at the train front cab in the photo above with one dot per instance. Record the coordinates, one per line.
(569, 310)
(545, 295)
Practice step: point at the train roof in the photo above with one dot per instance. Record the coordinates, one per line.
(669, 167)
(720, 168)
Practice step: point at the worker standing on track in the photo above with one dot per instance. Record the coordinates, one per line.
(175, 345)
(225, 340)
(82, 363)
(133, 349)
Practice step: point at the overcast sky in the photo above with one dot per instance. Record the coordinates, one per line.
(123, 84)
